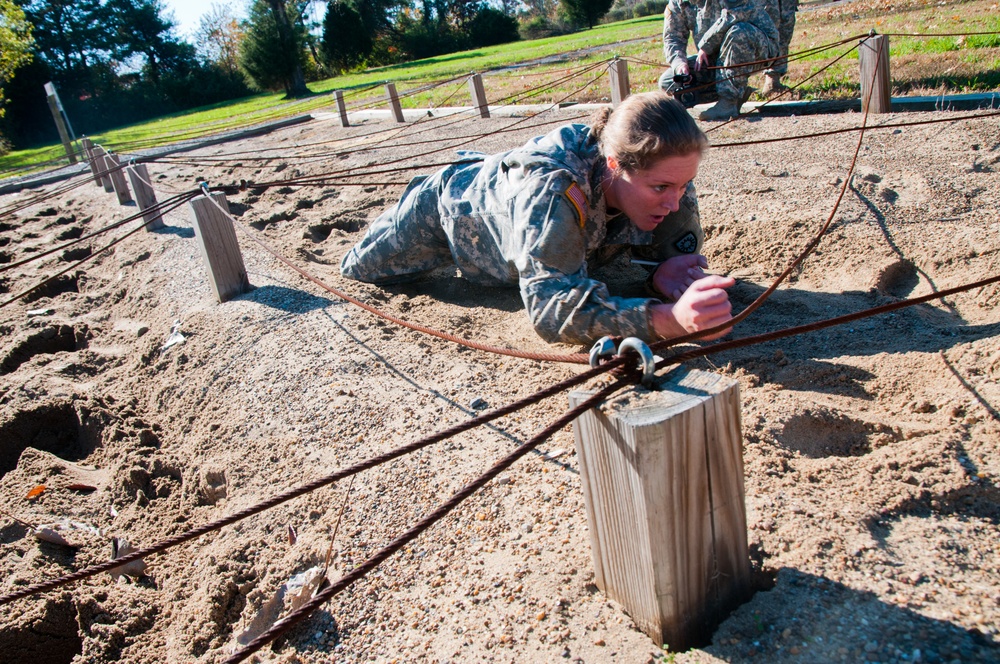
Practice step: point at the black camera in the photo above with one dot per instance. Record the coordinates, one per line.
(685, 91)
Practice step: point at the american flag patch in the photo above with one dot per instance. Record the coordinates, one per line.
(576, 196)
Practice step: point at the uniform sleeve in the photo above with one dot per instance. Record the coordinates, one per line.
(676, 32)
(562, 302)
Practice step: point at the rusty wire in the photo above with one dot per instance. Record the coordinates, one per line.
(313, 485)
(180, 200)
(423, 524)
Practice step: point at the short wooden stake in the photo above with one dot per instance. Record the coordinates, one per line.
(397, 110)
(88, 149)
(876, 84)
(221, 252)
(479, 95)
(118, 179)
(61, 127)
(620, 88)
(339, 94)
(662, 474)
(104, 165)
(145, 197)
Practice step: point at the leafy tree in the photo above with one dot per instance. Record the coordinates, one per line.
(218, 37)
(15, 45)
(272, 53)
(586, 12)
(346, 43)
(490, 26)
(70, 36)
(140, 29)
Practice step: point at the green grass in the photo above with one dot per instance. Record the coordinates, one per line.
(935, 65)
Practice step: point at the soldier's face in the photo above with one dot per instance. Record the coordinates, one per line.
(647, 196)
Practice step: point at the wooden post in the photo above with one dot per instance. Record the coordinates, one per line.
(397, 111)
(219, 248)
(145, 197)
(620, 88)
(104, 165)
(662, 474)
(342, 108)
(479, 95)
(118, 179)
(61, 126)
(88, 149)
(876, 84)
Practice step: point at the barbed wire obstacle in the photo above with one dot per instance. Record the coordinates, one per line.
(678, 357)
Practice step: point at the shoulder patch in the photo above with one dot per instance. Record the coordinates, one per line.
(688, 243)
(576, 196)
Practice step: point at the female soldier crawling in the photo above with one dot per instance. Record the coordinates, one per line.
(536, 215)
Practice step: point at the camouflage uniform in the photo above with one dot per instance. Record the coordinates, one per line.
(782, 13)
(535, 217)
(729, 31)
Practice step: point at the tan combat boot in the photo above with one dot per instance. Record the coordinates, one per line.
(772, 85)
(724, 109)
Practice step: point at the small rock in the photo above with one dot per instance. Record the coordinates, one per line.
(40, 312)
(478, 403)
(503, 479)
(541, 615)
(599, 642)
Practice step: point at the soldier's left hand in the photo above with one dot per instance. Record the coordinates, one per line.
(701, 62)
(676, 274)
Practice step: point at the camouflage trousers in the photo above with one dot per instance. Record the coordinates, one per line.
(406, 240)
(744, 42)
(786, 26)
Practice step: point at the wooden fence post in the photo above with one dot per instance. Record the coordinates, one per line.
(221, 252)
(662, 476)
(88, 149)
(145, 197)
(479, 95)
(104, 165)
(620, 88)
(876, 84)
(397, 111)
(339, 94)
(61, 126)
(118, 179)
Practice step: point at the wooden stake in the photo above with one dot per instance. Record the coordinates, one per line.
(342, 108)
(88, 149)
(145, 197)
(118, 179)
(104, 165)
(662, 474)
(221, 252)
(61, 126)
(876, 83)
(397, 110)
(479, 95)
(620, 88)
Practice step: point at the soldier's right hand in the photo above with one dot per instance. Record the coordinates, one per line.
(705, 304)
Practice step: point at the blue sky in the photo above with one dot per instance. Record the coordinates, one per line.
(187, 13)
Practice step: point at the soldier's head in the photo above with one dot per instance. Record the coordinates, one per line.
(646, 128)
(653, 148)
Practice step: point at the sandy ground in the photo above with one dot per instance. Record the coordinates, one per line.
(871, 450)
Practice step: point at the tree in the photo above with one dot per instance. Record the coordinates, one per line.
(140, 29)
(345, 41)
(218, 37)
(272, 53)
(490, 26)
(15, 45)
(586, 12)
(70, 36)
